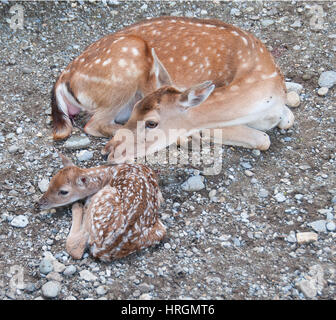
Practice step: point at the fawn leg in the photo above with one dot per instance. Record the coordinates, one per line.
(77, 238)
(243, 136)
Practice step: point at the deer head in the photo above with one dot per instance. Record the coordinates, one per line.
(157, 121)
(69, 185)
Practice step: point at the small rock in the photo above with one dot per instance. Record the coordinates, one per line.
(293, 99)
(267, 22)
(305, 237)
(19, 130)
(87, 275)
(76, 142)
(69, 271)
(12, 149)
(263, 193)
(54, 276)
(46, 266)
(101, 290)
(212, 193)
(58, 266)
(26, 70)
(308, 288)
(43, 185)
(331, 226)
(291, 237)
(235, 12)
(51, 289)
(84, 155)
(145, 296)
(20, 221)
(280, 197)
(319, 225)
(293, 86)
(194, 183)
(322, 91)
(327, 79)
(248, 173)
(296, 24)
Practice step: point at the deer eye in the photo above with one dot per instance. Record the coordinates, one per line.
(63, 192)
(150, 124)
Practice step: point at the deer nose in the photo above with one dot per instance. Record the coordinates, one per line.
(41, 204)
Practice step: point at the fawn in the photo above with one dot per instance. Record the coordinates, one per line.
(120, 215)
(185, 74)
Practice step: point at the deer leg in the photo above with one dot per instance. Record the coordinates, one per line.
(287, 119)
(77, 238)
(101, 126)
(243, 136)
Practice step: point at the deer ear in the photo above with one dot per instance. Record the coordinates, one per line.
(161, 74)
(66, 161)
(195, 95)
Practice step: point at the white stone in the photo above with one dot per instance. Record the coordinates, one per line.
(84, 155)
(327, 79)
(293, 86)
(20, 221)
(305, 237)
(280, 197)
(51, 289)
(322, 91)
(293, 99)
(194, 183)
(43, 185)
(87, 275)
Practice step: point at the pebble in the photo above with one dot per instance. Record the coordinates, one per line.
(293, 86)
(69, 270)
(145, 296)
(263, 193)
(322, 91)
(43, 185)
(55, 276)
(267, 22)
(194, 183)
(280, 197)
(308, 288)
(77, 142)
(101, 290)
(291, 237)
(327, 79)
(84, 155)
(319, 225)
(19, 221)
(46, 266)
(51, 289)
(87, 275)
(293, 99)
(331, 226)
(305, 237)
(248, 173)
(12, 149)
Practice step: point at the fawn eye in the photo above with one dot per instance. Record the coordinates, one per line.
(63, 192)
(151, 124)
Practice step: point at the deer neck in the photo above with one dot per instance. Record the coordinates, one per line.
(99, 177)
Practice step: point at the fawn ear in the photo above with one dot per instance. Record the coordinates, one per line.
(161, 74)
(66, 161)
(197, 94)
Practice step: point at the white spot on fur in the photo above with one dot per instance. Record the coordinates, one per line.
(106, 62)
(122, 63)
(135, 51)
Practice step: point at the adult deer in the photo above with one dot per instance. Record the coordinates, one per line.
(121, 211)
(174, 73)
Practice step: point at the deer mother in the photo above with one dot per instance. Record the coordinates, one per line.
(170, 73)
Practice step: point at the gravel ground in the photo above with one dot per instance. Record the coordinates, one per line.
(263, 228)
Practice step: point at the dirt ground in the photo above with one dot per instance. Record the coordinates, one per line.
(240, 243)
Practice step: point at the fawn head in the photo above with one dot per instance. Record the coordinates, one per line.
(67, 186)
